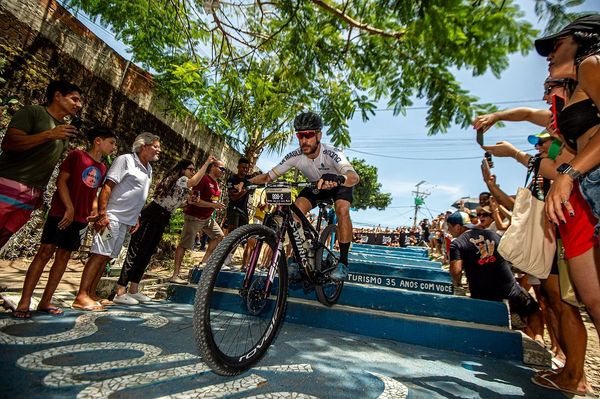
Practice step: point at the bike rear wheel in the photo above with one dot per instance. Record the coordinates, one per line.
(234, 324)
(329, 292)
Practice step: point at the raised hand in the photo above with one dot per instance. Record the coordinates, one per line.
(485, 121)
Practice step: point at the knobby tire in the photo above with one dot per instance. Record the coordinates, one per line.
(328, 293)
(220, 362)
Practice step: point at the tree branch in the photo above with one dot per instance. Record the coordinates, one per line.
(352, 22)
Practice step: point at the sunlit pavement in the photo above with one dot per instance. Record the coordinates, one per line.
(149, 352)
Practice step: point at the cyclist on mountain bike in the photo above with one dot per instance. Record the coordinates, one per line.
(335, 177)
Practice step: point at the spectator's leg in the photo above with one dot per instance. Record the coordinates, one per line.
(179, 253)
(585, 276)
(34, 272)
(191, 227)
(572, 336)
(92, 268)
(61, 258)
(213, 230)
(96, 281)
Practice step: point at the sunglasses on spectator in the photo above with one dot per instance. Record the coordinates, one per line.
(190, 168)
(484, 214)
(550, 84)
(222, 168)
(541, 142)
(306, 134)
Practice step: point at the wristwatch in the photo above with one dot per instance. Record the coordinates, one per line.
(566, 169)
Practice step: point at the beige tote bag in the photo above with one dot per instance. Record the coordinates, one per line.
(529, 243)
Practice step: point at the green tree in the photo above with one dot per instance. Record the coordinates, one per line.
(367, 193)
(246, 68)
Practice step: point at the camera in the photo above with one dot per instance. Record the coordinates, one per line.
(77, 122)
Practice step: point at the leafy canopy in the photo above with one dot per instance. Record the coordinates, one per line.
(246, 68)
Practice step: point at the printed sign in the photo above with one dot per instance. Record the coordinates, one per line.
(401, 282)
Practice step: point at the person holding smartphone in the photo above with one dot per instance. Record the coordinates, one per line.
(576, 234)
(35, 140)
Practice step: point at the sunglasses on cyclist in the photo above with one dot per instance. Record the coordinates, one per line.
(306, 134)
(484, 214)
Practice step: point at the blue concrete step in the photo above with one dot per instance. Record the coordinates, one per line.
(406, 250)
(398, 300)
(391, 276)
(437, 321)
(384, 252)
(394, 260)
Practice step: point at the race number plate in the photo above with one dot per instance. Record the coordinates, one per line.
(279, 195)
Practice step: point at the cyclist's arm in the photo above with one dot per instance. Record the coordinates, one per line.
(352, 178)
(346, 169)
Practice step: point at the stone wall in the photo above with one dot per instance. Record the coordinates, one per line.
(42, 41)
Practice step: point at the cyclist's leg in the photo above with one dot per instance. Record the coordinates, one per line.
(344, 228)
(343, 197)
(305, 202)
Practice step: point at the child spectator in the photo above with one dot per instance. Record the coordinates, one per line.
(73, 202)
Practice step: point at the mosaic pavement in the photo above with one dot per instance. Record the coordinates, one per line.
(149, 352)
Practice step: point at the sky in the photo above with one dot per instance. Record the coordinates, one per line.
(449, 163)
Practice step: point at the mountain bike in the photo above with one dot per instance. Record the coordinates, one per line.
(237, 315)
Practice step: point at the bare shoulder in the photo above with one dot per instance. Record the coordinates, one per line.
(590, 64)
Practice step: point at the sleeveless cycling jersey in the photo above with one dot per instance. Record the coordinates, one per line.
(330, 160)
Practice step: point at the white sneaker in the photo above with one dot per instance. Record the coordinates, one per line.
(140, 297)
(125, 299)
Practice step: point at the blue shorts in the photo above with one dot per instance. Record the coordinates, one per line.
(590, 189)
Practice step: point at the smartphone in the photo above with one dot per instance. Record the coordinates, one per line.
(480, 136)
(558, 103)
(488, 158)
(106, 234)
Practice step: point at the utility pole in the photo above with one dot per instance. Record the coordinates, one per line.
(419, 200)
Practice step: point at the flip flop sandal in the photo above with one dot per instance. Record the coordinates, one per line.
(52, 311)
(545, 382)
(21, 314)
(89, 308)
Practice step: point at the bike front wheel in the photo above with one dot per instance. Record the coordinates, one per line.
(236, 317)
(329, 291)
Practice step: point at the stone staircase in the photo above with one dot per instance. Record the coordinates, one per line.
(393, 300)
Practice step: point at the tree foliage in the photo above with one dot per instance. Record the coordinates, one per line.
(246, 68)
(367, 193)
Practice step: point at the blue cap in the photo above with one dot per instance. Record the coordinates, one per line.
(534, 139)
(460, 218)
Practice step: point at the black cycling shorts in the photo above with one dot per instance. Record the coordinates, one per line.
(339, 192)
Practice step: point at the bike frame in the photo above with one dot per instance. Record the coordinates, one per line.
(287, 226)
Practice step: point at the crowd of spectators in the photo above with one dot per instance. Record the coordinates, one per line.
(566, 170)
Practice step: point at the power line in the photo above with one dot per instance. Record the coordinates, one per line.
(414, 159)
(417, 159)
(417, 107)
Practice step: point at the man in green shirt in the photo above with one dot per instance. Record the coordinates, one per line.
(35, 139)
